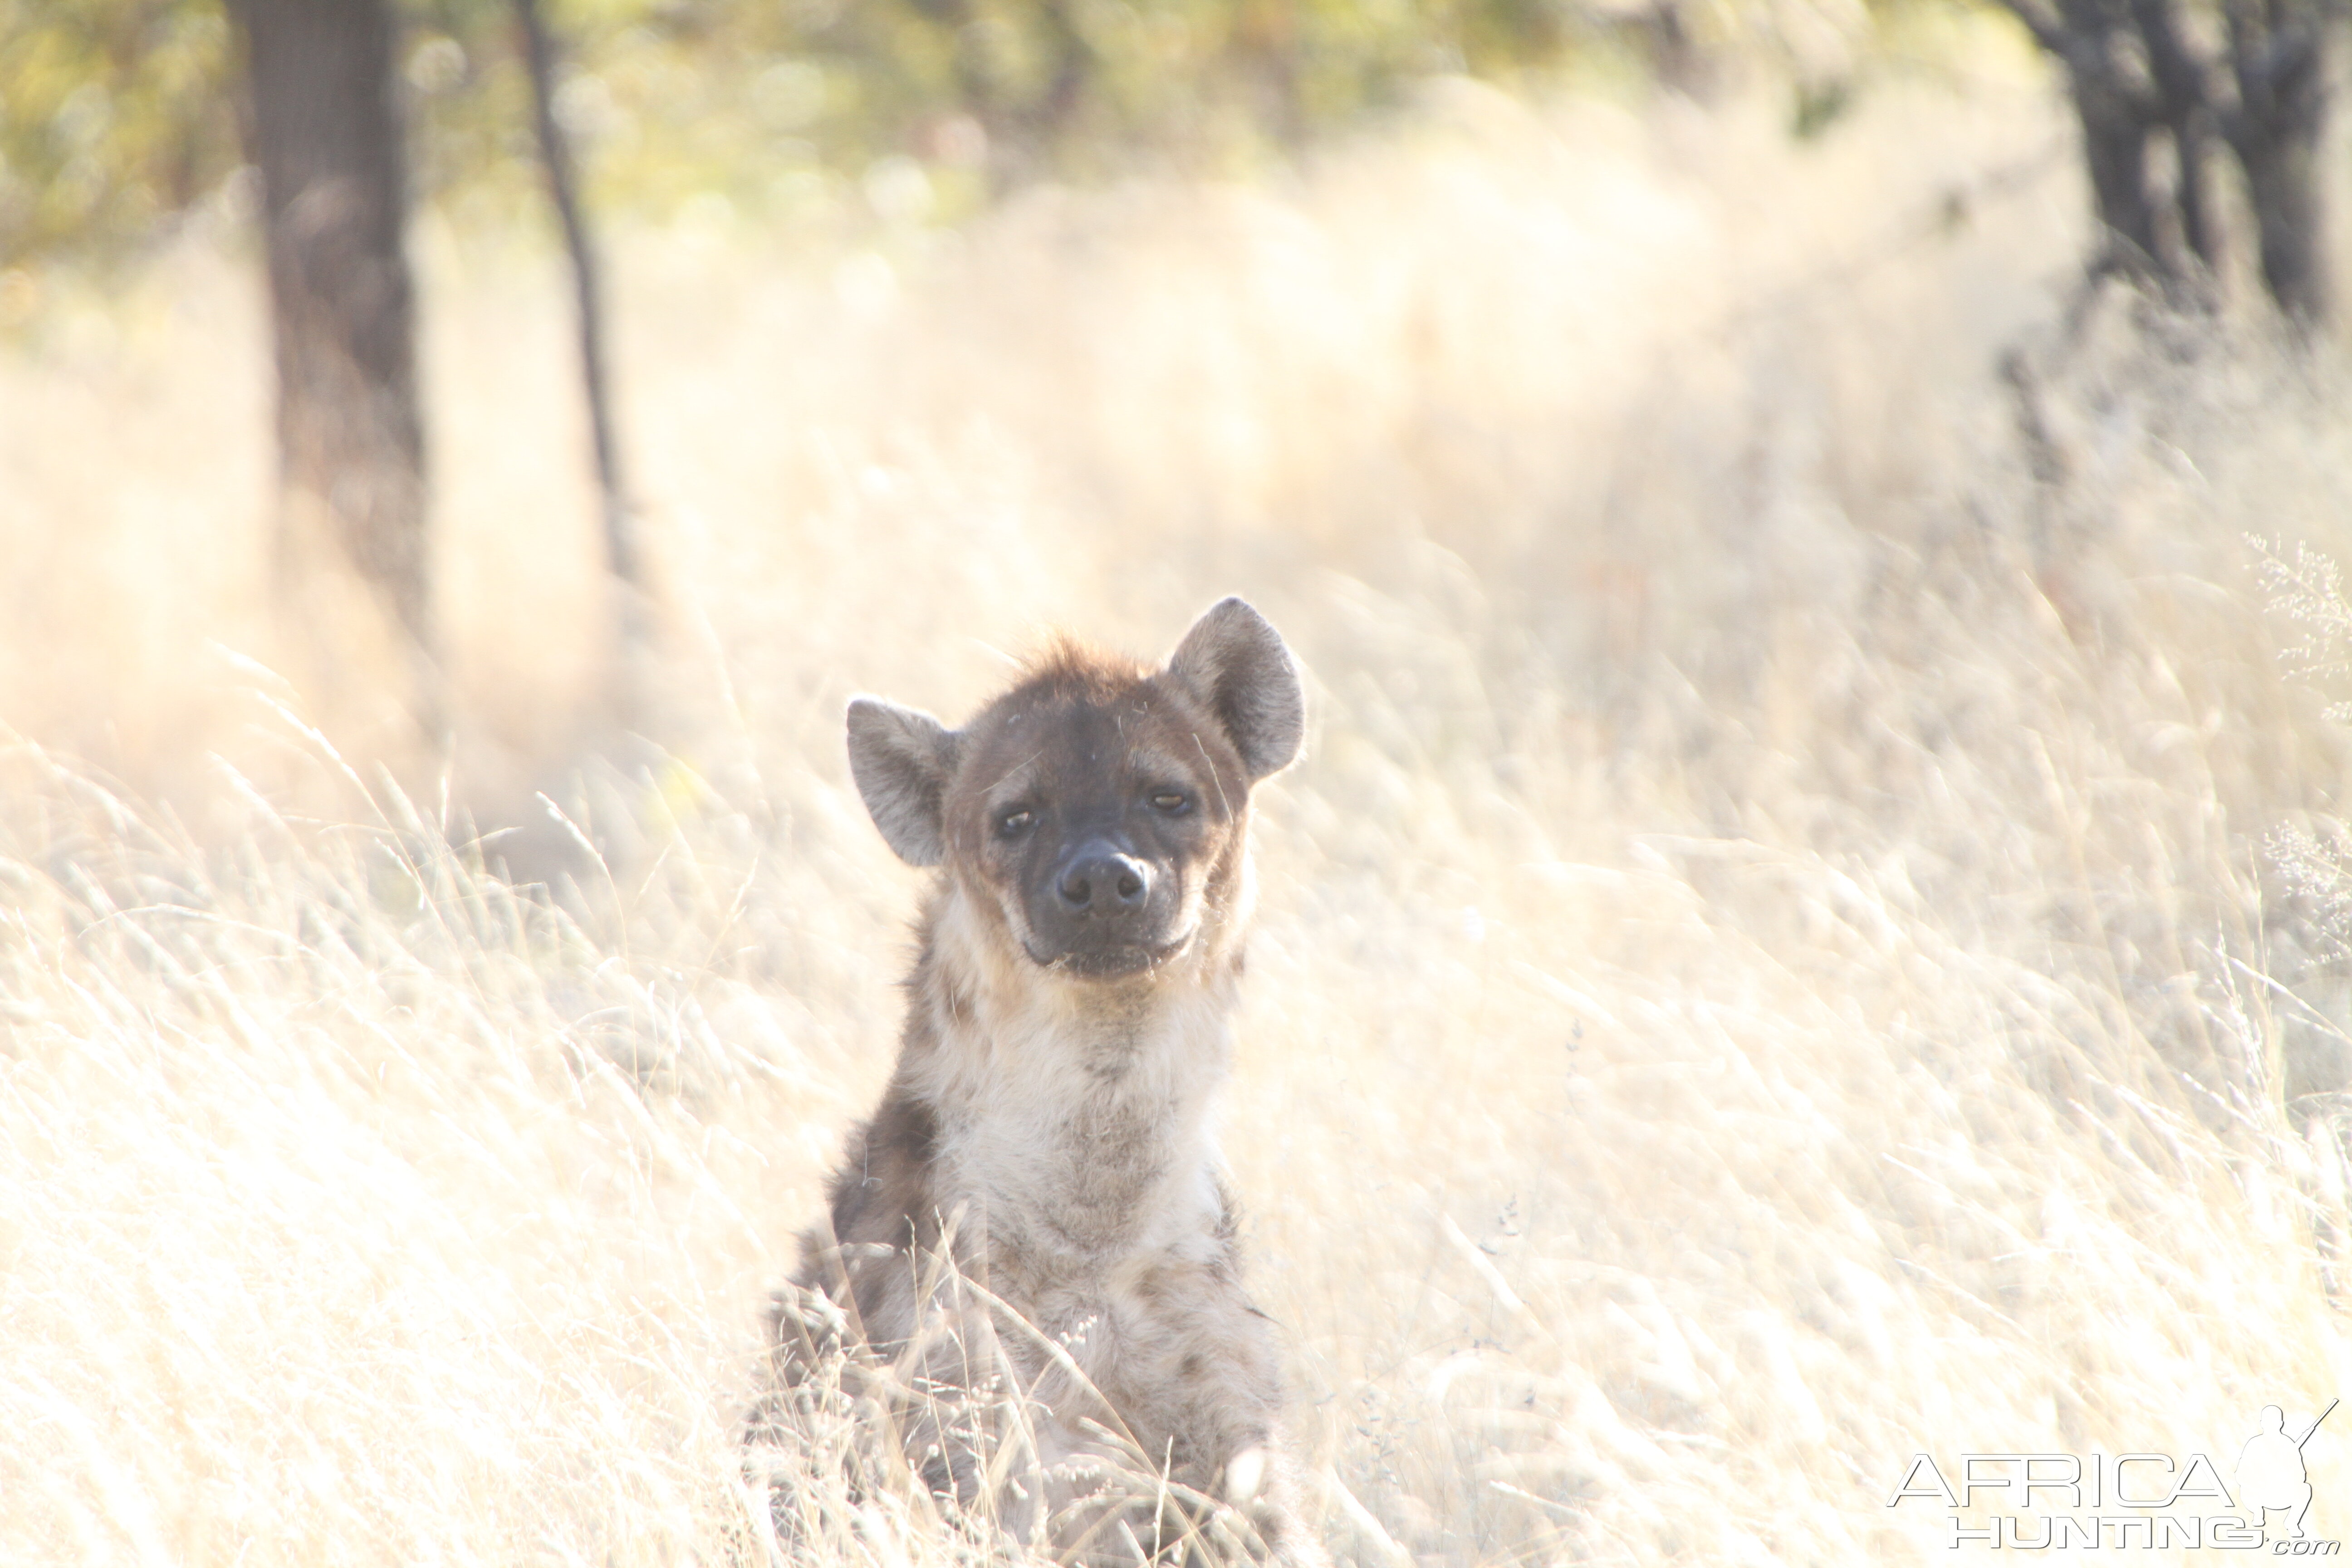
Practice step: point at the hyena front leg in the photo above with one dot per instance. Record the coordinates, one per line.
(1264, 1484)
(1223, 1376)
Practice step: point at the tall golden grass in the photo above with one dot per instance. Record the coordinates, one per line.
(1773, 962)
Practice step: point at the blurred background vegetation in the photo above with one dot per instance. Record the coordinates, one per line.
(117, 115)
(1813, 927)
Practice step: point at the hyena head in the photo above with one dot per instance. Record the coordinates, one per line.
(1094, 818)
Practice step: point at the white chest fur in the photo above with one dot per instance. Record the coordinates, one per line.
(1077, 1149)
(1076, 1124)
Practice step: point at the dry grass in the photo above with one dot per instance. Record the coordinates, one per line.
(1770, 963)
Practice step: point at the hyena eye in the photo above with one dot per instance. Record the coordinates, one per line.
(1014, 823)
(1172, 802)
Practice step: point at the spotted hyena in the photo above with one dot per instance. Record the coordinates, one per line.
(1030, 1259)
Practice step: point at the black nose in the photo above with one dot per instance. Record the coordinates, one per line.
(1106, 883)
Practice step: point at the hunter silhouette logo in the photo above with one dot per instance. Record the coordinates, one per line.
(2120, 1502)
(2270, 1476)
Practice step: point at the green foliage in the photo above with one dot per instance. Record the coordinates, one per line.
(115, 114)
(677, 96)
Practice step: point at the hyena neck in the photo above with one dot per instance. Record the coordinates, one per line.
(1075, 1116)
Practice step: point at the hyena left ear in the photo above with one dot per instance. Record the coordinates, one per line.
(902, 759)
(1235, 662)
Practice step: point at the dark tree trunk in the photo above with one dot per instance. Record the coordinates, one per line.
(2184, 95)
(564, 186)
(2276, 49)
(2115, 147)
(2201, 224)
(2135, 74)
(2283, 180)
(2115, 106)
(326, 133)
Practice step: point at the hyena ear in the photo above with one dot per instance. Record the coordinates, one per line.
(902, 759)
(1236, 663)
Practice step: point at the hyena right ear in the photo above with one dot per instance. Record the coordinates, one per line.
(1235, 662)
(902, 759)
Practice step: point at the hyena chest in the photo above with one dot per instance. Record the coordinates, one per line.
(1078, 1148)
(1072, 1198)
(1103, 1235)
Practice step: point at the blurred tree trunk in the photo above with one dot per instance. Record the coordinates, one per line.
(563, 189)
(2183, 104)
(624, 681)
(2278, 56)
(2115, 102)
(326, 131)
(2136, 76)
